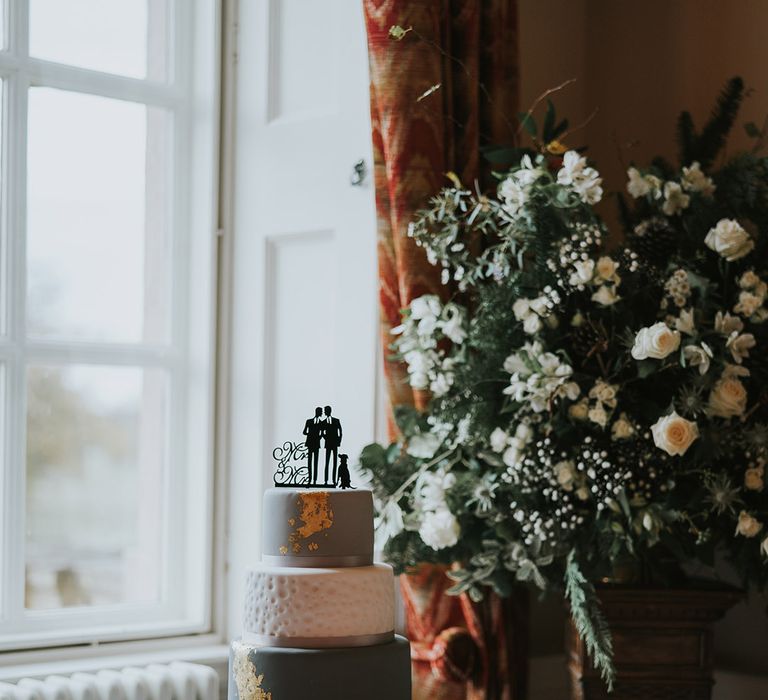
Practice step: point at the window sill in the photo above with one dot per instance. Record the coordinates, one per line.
(203, 649)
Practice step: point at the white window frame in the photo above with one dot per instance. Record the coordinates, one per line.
(192, 95)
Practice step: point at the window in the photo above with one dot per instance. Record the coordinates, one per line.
(107, 252)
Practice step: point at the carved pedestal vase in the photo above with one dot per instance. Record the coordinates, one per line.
(462, 650)
(662, 641)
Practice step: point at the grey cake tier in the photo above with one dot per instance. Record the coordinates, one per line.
(313, 527)
(380, 672)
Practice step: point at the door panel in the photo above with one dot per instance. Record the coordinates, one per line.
(304, 309)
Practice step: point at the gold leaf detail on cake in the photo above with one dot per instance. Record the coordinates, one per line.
(247, 680)
(283, 549)
(316, 514)
(313, 546)
(291, 521)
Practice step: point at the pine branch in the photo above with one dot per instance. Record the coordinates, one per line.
(716, 130)
(589, 620)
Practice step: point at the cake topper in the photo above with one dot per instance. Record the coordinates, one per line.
(321, 430)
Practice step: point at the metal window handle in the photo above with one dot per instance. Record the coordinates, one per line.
(359, 171)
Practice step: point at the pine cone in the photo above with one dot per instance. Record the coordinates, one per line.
(587, 339)
(654, 240)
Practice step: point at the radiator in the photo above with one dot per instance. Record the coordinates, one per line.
(175, 681)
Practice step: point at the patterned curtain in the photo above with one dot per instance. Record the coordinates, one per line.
(445, 87)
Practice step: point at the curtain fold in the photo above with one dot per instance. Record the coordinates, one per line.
(445, 88)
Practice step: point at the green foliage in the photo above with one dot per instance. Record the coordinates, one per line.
(706, 146)
(543, 457)
(589, 620)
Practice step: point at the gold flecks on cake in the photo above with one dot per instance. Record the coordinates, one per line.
(291, 521)
(316, 514)
(313, 546)
(283, 549)
(247, 680)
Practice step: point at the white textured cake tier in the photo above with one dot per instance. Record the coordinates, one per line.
(319, 607)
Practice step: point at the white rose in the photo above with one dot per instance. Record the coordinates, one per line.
(622, 428)
(726, 324)
(655, 342)
(674, 434)
(740, 345)
(606, 296)
(439, 529)
(747, 525)
(498, 440)
(728, 398)
(675, 200)
(697, 356)
(729, 240)
(753, 479)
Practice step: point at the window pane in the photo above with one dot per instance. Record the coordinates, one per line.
(128, 37)
(96, 440)
(98, 238)
(3, 24)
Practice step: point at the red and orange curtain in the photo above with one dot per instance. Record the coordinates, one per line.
(439, 92)
(443, 83)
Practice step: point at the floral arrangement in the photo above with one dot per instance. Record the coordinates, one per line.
(594, 409)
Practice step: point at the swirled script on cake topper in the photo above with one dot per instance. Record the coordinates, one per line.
(298, 463)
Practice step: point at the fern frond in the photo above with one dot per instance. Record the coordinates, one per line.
(589, 620)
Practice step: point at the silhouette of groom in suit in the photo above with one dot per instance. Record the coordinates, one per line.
(313, 429)
(332, 435)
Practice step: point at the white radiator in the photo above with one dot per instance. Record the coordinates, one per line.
(175, 681)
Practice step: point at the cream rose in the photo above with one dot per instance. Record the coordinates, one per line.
(565, 473)
(747, 525)
(728, 398)
(579, 410)
(729, 240)
(753, 479)
(622, 428)
(655, 342)
(674, 434)
(605, 269)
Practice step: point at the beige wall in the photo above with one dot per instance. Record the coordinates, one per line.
(640, 62)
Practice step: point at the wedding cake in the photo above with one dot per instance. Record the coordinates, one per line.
(319, 614)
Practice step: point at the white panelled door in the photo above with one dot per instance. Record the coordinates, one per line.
(304, 313)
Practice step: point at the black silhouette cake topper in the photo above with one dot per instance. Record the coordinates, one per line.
(321, 430)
